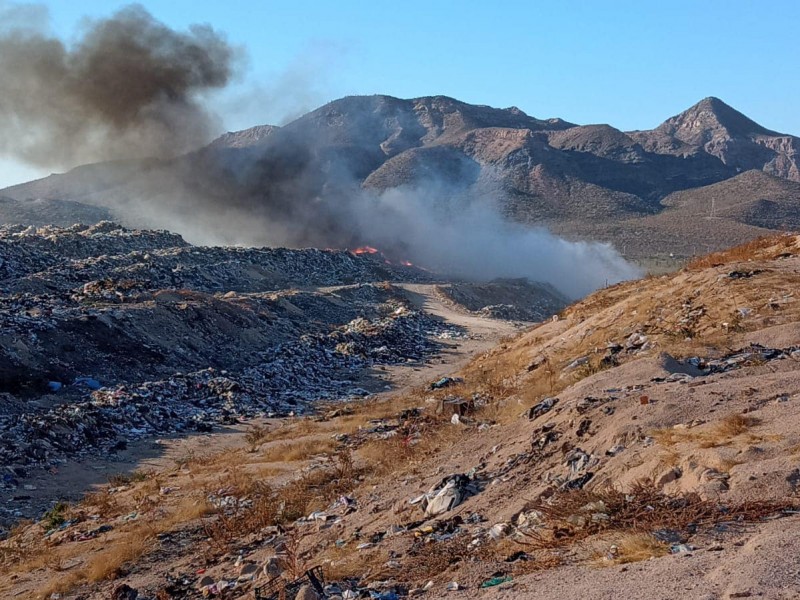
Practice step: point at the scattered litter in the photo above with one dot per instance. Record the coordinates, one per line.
(497, 580)
(542, 407)
(445, 382)
(447, 494)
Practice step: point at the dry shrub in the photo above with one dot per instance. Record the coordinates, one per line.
(120, 479)
(256, 435)
(102, 501)
(643, 509)
(495, 556)
(318, 488)
(427, 560)
(401, 453)
(339, 564)
(258, 505)
(389, 455)
(13, 549)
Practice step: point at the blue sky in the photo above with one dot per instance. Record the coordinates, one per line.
(631, 64)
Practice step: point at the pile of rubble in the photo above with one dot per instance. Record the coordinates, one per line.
(508, 299)
(109, 335)
(287, 380)
(35, 260)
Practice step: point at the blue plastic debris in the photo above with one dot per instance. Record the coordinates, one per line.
(383, 595)
(54, 386)
(92, 384)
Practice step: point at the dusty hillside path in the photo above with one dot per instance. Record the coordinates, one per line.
(75, 478)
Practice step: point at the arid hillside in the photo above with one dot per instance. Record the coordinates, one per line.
(643, 444)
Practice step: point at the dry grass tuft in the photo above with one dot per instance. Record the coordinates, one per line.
(721, 433)
(297, 451)
(628, 548)
(763, 248)
(568, 516)
(735, 424)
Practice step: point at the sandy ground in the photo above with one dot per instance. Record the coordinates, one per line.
(672, 431)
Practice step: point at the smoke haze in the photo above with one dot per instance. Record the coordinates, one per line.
(129, 87)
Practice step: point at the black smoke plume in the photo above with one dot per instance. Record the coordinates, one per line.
(129, 87)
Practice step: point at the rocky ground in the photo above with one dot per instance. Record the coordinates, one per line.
(642, 445)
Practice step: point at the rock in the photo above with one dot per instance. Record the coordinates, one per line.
(499, 531)
(668, 477)
(614, 450)
(272, 567)
(578, 362)
(307, 593)
(124, 592)
(635, 341)
(793, 479)
(248, 571)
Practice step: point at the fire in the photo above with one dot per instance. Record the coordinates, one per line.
(369, 250)
(365, 250)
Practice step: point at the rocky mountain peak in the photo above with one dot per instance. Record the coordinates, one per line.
(710, 118)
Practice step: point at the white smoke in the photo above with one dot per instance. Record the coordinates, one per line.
(469, 238)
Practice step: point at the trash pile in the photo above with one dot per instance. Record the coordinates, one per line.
(41, 260)
(508, 299)
(697, 366)
(287, 380)
(108, 335)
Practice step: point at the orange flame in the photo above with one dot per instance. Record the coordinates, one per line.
(365, 250)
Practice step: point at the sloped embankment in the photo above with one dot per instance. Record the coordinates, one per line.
(655, 419)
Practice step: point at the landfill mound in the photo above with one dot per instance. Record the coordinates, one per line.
(654, 420)
(41, 212)
(110, 335)
(514, 299)
(641, 445)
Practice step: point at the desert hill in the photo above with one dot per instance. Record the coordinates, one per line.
(696, 221)
(585, 181)
(642, 444)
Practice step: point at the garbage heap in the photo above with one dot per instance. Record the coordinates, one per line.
(109, 335)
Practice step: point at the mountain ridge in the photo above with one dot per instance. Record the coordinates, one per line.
(539, 171)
